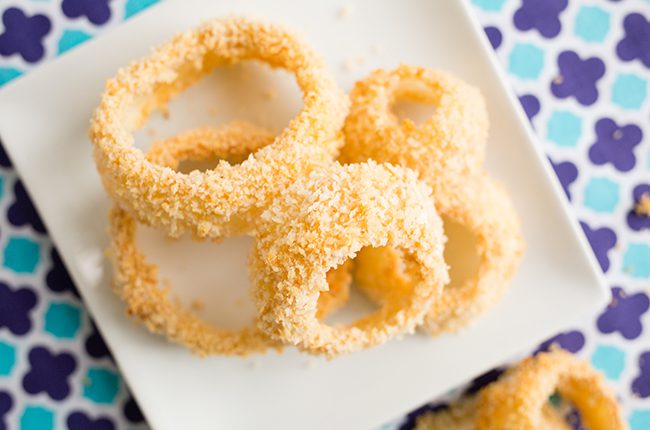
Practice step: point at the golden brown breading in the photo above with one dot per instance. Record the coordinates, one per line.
(483, 207)
(328, 217)
(227, 199)
(516, 401)
(447, 151)
(136, 280)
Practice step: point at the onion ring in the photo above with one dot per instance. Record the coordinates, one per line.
(136, 280)
(447, 151)
(458, 416)
(326, 218)
(461, 415)
(226, 200)
(452, 141)
(515, 401)
(484, 208)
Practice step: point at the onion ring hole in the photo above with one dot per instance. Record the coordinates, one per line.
(414, 101)
(250, 91)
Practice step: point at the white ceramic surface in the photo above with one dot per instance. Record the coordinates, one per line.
(43, 122)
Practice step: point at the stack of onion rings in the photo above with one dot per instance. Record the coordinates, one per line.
(447, 150)
(308, 214)
(137, 280)
(519, 400)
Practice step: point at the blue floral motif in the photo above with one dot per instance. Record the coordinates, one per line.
(623, 314)
(542, 15)
(95, 346)
(57, 278)
(49, 373)
(97, 11)
(641, 384)
(531, 105)
(567, 173)
(132, 411)
(485, 379)
(578, 78)
(80, 421)
(23, 34)
(16, 306)
(22, 211)
(572, 341)
(6, 403)
(637, 221)
(615, 144)
(494, 36)
(635, 43)
(602, 240)
(409, 421)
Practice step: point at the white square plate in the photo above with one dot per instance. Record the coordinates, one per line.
(43, 123)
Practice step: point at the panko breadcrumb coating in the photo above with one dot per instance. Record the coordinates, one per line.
(339, 280)
(325, 219)
(136, 280)
(447, 151)
(227, 199)
(484, 208)
(516, 401)
(519, 400)
(234, 142)
(309, 214)
(451, 141)
(138, 285)
(461, 415)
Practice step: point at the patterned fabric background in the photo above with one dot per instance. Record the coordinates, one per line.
(582, 71)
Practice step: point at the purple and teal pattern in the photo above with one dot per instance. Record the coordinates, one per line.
(581, 71)
(55, 370)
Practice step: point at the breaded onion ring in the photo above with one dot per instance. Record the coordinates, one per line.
(516, 401)
(458, 416)
(461, 415)
(233, 142)
(449, 144)
(484, 208)
(227, 199)
(326, 218)
(136, 280)
(447, 151)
